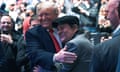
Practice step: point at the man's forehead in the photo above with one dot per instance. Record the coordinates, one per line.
(5, 18)
(114, 0)
(112, 4)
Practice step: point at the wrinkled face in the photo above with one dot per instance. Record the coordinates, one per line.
(66, 32)
(6, 24)
(46, 17)
(113, 13)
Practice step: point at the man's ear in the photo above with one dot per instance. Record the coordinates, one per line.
(75, 26)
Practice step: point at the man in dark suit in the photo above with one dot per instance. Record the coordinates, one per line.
(76, 41)
(118, 64)
(40, 46)
(105, 56)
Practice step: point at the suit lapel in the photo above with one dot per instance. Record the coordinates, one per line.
(116, 33)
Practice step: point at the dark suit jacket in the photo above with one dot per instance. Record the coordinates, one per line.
(118, 64)
(83, 48)
(116, 33)
(40, 48)
(105, 56)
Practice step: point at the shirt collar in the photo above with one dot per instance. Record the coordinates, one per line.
(118, 27)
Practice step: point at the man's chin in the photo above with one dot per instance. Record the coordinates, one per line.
(45, 26)
(62, 39)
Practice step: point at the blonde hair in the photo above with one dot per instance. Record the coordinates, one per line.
(48, 4)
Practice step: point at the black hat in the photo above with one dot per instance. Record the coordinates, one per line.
(71, 20)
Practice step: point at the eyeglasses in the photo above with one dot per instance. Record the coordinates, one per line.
(5, 22)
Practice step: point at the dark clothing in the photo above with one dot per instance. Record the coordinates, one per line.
(105, 56)
(40, 48)
(21, 58)
(10, 52)
(116, 33)
(118, 64)
(83, 48)
(3, 60)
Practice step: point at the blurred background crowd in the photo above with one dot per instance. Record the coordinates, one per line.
(92, 15)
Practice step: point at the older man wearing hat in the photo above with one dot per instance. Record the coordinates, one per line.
(75, 41)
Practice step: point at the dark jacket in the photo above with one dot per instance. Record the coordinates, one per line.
(3, 60)
(40, 48)
(118, 64)
(105, 56)
(21, 58)
(11, 52)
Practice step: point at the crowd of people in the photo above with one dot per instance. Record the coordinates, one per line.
(59, 35)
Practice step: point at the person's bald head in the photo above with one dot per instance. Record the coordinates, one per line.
(113, 7)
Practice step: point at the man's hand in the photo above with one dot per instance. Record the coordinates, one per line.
(6, 38)
(64, 56)
(36, 68)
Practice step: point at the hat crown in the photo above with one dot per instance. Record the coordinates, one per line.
(66, 19)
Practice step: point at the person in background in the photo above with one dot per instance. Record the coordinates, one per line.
(21, 16)
(76, 41)
(43, 48)
(87, 12)
(12, 45)
(12, 11)
(34, 21)
(9, 38)
(30, 11)
(105, 56)
(104, 24)
(22, 59)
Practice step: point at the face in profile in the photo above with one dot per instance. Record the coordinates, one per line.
(66, 32)
(112, 8)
